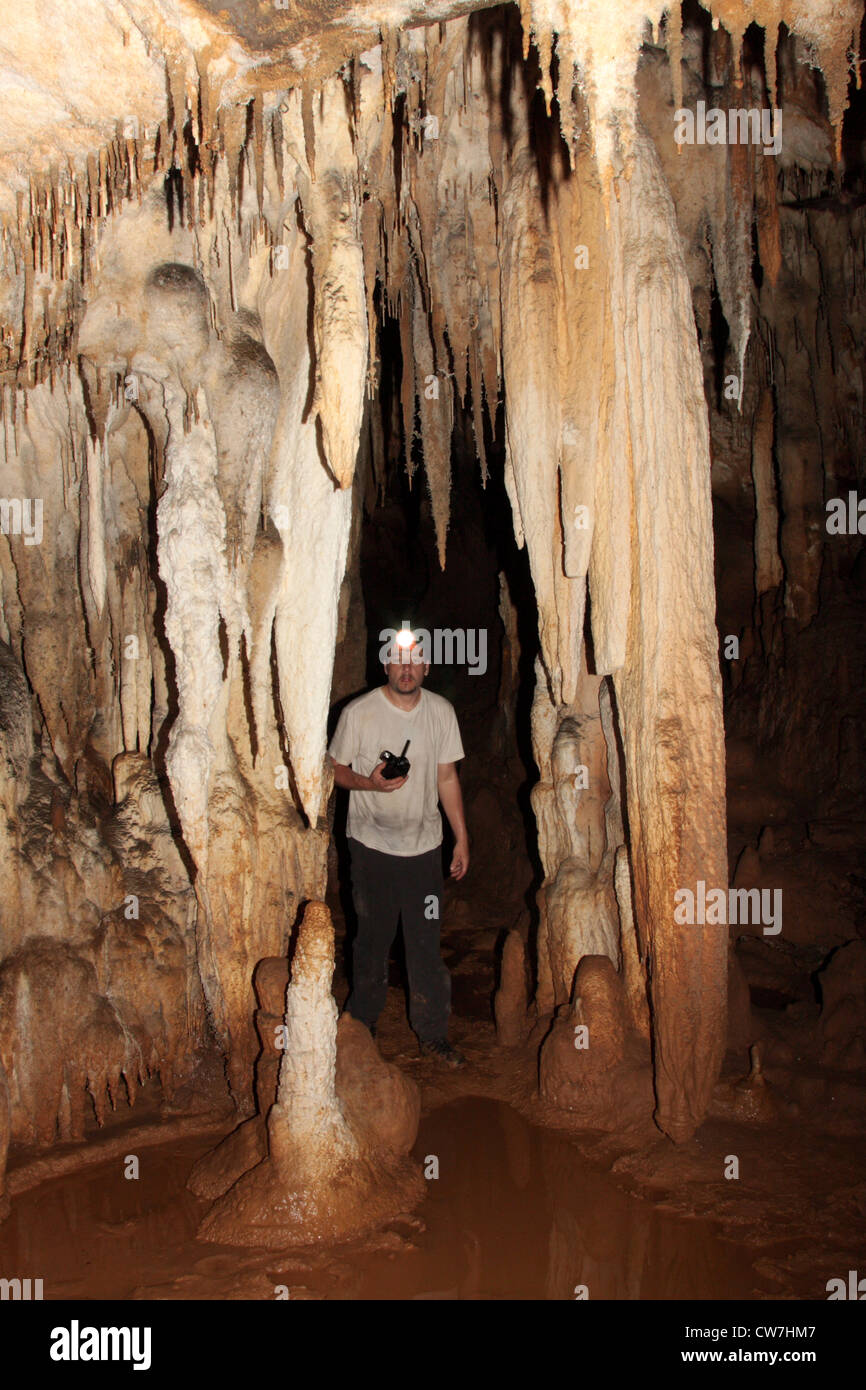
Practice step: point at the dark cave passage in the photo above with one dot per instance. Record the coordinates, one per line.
(484, 603)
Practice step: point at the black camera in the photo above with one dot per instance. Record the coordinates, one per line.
(395, 766)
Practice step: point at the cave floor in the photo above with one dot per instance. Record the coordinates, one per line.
(526, 1203)
(797, 1210)
(513, 1213)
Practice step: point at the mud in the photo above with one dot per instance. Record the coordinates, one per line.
(514, 1213)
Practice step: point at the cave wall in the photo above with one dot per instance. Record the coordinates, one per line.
(191, 347)
(775, 253)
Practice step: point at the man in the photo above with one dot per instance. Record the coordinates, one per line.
(395, 836)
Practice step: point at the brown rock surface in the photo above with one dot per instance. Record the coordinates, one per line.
(511, 1002)
(591, 1062)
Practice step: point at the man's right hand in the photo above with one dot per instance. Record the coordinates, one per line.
(378, 783)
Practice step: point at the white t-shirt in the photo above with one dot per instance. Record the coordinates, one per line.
(406, 821)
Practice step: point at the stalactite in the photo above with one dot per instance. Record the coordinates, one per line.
(478, 409)
(610, 568)
(435, 415)
(313, 520)
(408, 384)
(233, 129)
(191, 540)
(259, 150)
(674, 37)
(731, 233)
(340, 323)
(767, 220)
(529, 307)
(768, 565)
(96, 567)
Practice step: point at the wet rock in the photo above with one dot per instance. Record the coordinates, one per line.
(381, 1104)
(240, 1151)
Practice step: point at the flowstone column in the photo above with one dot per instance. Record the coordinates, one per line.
(669, 688)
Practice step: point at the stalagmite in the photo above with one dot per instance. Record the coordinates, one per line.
(591, 1062)
(511, 1001)
(320, 1181)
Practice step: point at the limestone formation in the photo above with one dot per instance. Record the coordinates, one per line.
(592, 1062)
(749, 1099)
(510, 1004)
(336, 1165)
(4, 1141)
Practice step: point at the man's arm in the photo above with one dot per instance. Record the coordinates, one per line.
(354, 782)
(452, 803)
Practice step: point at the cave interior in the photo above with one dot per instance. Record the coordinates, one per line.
(507, 322)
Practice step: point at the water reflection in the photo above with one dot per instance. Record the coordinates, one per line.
(514, 1213)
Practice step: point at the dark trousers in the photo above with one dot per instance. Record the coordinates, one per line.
(386, 887)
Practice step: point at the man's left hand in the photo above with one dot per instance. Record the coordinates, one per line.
(460, 861)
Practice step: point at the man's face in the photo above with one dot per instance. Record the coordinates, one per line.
(407, 674)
